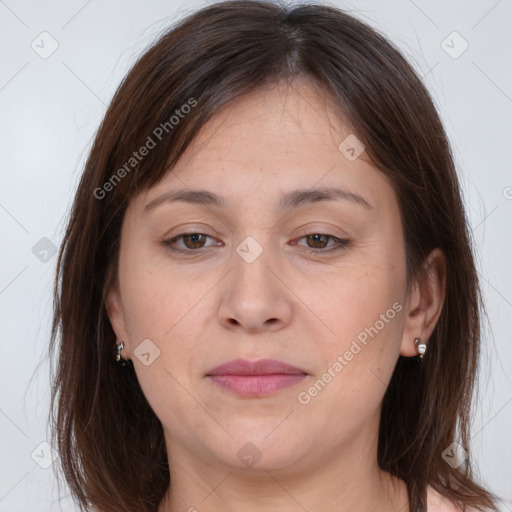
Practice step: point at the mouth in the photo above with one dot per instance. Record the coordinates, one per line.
(255, 378)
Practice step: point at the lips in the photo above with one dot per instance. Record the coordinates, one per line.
(255, 378)
(260, 367)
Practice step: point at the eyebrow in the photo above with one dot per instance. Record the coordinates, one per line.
(293, 199)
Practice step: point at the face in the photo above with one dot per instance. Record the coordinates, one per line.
(317, 283)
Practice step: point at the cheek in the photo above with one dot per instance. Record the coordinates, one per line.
(158, 300)
(358, 361)
(170, 307)
(364, 313)
(356, 300)
(163, 309)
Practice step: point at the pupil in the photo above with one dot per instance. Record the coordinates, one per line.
(316, 238)
(194, 238)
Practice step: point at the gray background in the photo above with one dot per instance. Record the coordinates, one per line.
(51, 107)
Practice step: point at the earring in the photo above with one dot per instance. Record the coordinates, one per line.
(420, 347)
(119, 360)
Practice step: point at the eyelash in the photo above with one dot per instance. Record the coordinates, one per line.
(339, 243)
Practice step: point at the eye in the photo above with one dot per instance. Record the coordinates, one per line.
(195, 241)
(320, 242)
(192, 241)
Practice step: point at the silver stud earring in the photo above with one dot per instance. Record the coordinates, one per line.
(118, 351)
(119, 360)
(420, 347)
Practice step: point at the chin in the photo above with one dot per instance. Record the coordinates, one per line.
(261, 449)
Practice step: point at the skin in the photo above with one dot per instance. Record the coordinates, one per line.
(207, 307)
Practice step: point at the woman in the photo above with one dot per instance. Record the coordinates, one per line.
(266, 295)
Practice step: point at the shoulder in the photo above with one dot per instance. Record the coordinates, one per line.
(436, 502)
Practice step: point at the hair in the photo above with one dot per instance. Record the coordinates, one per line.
(110, 442)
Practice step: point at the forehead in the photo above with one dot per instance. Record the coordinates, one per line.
(276, 139)
(278, 118)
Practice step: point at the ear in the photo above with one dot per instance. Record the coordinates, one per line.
(116, 316)
(425, 303)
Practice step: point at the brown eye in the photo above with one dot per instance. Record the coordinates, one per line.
(318, 243)
(196, 240)
(192, 242)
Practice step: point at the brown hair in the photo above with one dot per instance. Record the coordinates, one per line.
(111, 444)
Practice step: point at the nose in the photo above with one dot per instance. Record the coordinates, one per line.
(254, 297)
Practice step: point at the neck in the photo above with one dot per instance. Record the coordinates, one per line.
(349, 480)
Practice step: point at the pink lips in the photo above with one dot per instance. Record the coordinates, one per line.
(255, 378)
